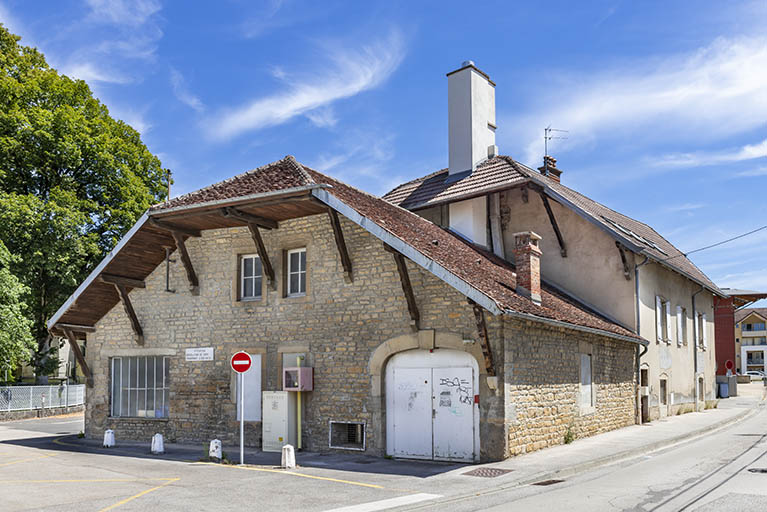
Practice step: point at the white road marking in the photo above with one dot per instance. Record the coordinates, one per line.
(373, 506)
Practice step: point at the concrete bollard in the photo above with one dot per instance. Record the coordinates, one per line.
(214, 452)
(158, 447)
(288, 457)
(109, 438)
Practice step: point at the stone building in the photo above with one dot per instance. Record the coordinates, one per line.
(421, 343)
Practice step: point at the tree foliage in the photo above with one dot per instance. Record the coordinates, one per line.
(16, 342)
(73, 180)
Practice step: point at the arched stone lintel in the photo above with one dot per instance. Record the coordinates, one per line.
(425, 339)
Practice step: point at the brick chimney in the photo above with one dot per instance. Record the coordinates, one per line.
(527, 257)
(549, 168)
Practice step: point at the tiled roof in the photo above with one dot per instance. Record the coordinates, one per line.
(280, 175)
(490, 176)
(436, 188)
(492, 276)
(743, 313)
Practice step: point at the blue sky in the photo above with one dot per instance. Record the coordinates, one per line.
(665, 102)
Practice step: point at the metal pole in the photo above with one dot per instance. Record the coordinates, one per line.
(242, 418)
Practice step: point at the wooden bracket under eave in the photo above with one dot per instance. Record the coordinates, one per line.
(178, 233)
(234, 213)
(266, 263)
(407, 287)
(626, 269)
(338, 234)
(70, 335)
(554, 225)
(122, 291)
(479, 317)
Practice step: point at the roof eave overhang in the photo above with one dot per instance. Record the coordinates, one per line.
(466, 197)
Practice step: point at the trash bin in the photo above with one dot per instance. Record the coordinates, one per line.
(724, 390)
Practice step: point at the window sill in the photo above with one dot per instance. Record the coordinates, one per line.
(134, 418)
(587, 410)
(296, 296)
(251, 300)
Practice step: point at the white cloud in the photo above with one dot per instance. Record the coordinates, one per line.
(182, 92)
(132, 13)
(710, 93)
(322, 117)
(759, 171)
(89, 72)
(348, 73)
(685, 207)
(701, 158)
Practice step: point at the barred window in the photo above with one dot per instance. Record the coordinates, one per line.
(140, 386)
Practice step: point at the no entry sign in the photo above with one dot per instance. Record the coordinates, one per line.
(241, 362)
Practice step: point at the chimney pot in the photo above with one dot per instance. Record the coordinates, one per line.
(527, 257)
(549, 168)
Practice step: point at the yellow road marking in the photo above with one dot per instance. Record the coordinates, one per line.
(27, 460)
(293, 473)
(88, 480)
(59, 441)
(142, 493)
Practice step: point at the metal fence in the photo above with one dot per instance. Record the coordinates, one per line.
(24, 398)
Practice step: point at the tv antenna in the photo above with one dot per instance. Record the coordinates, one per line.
(547, 136)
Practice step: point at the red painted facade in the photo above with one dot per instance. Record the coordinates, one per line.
(724, 332)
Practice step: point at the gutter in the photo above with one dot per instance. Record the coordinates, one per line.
(645, 348)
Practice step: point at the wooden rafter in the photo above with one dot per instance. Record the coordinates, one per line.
(626, 269)
(525, 197)
(191, 275)
(266, 263)
(128, 282)
(76, 327)
(479, 317)
(407, 287)
(338, 234)
(122, 291)
(70, 335)
(174, 228)
(263, 222)
(554, 225)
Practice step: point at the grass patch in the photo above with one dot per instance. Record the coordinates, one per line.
(569, 435)
(712, 404)
(684, 409)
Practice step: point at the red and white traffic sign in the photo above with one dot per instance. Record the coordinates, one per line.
(729, 364)
(241, 362)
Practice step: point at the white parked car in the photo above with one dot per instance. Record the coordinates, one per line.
(755, 374)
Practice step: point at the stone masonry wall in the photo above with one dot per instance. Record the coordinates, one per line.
(337, 325)
(542, 374)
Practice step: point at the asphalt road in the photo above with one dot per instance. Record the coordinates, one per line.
(44, 467)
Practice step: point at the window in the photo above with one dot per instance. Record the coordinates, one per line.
(643, 377)
(681, 326)
(754, 327)
(663, 319)
(296, 272)
(251, 277)
(587, 395)
(663, 392)
(140, 386)
(702, 331)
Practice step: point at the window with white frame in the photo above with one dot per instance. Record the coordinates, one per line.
(586, 387)
(140, 386)
(681, 326)
(296, 276)
(663, 319)
(251, 277)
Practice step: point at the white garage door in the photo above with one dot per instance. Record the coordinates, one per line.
(430, 407)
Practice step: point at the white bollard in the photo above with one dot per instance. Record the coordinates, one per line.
(214, 452)
(157, 445)
(109, 438)
(288, 457)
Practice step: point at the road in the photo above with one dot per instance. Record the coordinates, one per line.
(44, 467)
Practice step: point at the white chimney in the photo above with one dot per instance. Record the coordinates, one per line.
(471, 118)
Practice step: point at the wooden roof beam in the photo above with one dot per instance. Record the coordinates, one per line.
(75, 327)
(479, 317)
(128, 282)
(70, 335)
(338, 234)
(234, 213)
(407, 287)
(626, 270)
(554, 225)
(128, 306)
(266, 263)
(174, 228)
(191, 275)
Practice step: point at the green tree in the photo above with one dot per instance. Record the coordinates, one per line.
(73, 179)
(16, 343)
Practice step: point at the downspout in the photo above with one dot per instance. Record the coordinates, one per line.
(695, 348)
(644, 349)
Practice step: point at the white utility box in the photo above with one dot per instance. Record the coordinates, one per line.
(279, 420)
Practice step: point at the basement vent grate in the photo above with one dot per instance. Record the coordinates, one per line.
(757, 470)
(487, 472)
(548, 482)
(347, 435)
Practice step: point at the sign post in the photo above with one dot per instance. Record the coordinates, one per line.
(241, 362)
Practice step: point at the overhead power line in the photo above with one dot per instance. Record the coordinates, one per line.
(716, 244)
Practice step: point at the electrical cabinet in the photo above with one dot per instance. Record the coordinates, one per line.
(298, 379)
(279, 420)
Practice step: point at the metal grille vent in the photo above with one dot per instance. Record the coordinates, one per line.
(347, 435)
(487, 472)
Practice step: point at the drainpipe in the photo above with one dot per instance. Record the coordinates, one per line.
(644, 348)
(695, 348)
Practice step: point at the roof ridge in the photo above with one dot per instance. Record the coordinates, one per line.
(300, 168)
(286, 159)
